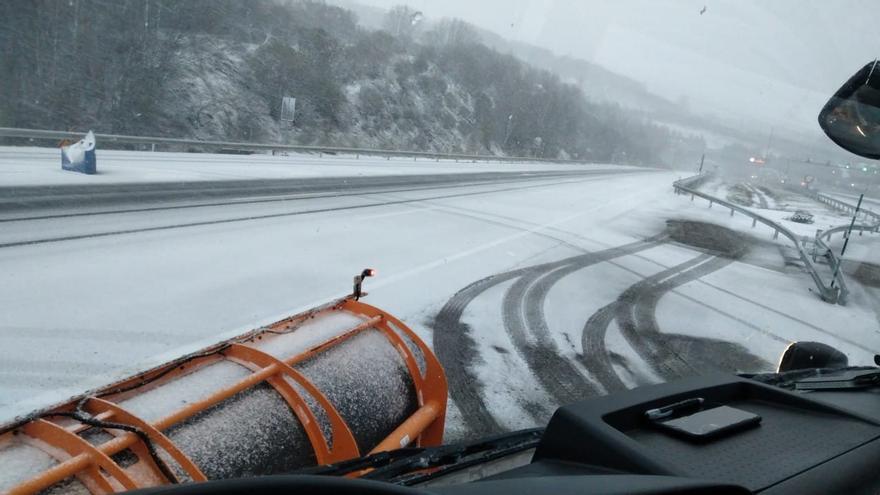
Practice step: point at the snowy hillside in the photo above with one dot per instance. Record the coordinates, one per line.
(218, 70)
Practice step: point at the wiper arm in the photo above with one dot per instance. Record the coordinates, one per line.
(373, 461)
(449, 458)
(409, 466)
(849, 379)
(793, 380)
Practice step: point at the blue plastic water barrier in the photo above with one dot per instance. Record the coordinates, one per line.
(80, 156)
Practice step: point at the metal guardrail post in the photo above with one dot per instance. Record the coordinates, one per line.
(828, 294)
(827, 253)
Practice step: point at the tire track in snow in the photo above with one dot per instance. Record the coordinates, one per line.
(669, 354)
(524, 314)
(637, 320)
(674, 355)
(762, 200)
(457, 351)
(456, 348)
(596, 354)
(558, 376)
(596, 357)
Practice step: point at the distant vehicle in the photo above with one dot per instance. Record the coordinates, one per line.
(802, 216)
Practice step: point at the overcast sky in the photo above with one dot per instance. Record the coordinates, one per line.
(760, 62)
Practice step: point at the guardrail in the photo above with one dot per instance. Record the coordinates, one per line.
(828, 293)
(820, 245)
(834, 263)
(837, 204)
(827, 234)
(37, 134)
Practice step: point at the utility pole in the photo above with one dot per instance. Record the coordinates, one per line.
(507, 132)
(767, 149)
(702, 160)
(846, 241)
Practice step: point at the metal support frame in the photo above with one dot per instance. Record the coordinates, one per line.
(79, 458)
(93, 465)
(344, 445)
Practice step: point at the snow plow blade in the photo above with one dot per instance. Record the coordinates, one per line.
(334, 383)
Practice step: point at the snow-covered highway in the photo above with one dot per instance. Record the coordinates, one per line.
(535, 283)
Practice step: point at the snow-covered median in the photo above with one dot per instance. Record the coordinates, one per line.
(31, 166)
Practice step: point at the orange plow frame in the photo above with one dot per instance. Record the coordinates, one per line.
(55, 431)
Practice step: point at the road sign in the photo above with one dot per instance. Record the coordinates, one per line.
(288, 108)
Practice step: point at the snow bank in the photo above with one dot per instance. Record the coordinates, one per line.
(30, 166)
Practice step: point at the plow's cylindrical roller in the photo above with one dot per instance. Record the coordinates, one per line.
(331, 384)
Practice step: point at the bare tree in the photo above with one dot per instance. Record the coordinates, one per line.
(402, 21)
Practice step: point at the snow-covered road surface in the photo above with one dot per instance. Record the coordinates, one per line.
(533, 292)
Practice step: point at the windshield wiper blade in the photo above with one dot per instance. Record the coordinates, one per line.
(408, 466)
(372, 461)
(848, 379)
(790, 379)
(450, 458)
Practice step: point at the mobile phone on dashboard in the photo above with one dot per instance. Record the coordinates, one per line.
(710, 423)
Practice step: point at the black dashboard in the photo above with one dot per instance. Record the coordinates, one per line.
(816, 442)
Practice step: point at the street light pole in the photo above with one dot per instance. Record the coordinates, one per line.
(846, 241)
